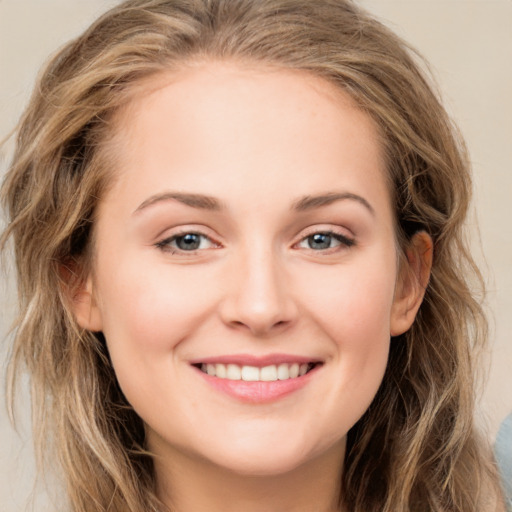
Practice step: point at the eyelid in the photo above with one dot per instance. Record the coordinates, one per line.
(346, 240)
(327, 228)
(163, 242)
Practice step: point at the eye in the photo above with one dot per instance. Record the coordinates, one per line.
(324, 240)
(186, 242)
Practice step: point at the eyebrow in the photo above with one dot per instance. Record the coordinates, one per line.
(194, 200)
(205, 202)
(311, 202)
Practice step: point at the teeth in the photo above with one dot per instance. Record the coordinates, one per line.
(250, 373)
(233, 372)
(282, 372)
(270, 373)
(221, 371)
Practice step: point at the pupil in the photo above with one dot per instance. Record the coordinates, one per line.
(188, 242)
(319, 241)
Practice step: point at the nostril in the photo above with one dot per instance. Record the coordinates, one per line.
(258, 327)
(237, 323)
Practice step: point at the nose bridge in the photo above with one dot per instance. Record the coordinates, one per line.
(259, 297)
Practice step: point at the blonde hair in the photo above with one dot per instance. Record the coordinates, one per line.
(415, 449)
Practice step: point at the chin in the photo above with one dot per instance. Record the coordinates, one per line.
(271, 466)
(272, 459)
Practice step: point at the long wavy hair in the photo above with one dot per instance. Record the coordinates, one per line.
(415, 449)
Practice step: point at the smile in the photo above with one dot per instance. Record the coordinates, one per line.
(270, 373)
(257, 379)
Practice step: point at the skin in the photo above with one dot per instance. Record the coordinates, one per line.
(260, 143)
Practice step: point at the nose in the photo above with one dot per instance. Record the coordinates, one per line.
(258, 297)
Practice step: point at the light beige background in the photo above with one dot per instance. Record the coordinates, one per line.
(469, 45)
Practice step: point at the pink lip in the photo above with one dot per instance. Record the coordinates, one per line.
(258, 361)
(258, 392)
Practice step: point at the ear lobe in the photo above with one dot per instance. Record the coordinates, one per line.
(81, 300)
(412, 282)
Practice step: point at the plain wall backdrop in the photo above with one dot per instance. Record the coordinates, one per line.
(469, 46)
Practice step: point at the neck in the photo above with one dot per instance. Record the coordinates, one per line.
(189, 484)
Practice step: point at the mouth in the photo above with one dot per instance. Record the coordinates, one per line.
(257, 379)
(249, 373)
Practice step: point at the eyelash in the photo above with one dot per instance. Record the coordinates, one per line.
(344, 241)
(165, 245)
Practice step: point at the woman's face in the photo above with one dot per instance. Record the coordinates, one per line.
(245, 270)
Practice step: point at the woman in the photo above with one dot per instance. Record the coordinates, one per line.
(238, 226)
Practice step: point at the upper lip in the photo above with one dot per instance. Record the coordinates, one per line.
(258, 361)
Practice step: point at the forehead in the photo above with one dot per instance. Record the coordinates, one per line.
(217, 122)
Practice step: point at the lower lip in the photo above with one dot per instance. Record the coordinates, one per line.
(258, 391)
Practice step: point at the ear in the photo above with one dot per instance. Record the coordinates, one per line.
(79, 292)
(413, 277)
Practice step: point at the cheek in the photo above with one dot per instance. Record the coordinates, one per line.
(155, 308)
(353, 309)
(353, 305)
(145, 318)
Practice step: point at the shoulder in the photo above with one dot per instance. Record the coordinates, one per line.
(503, 453)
